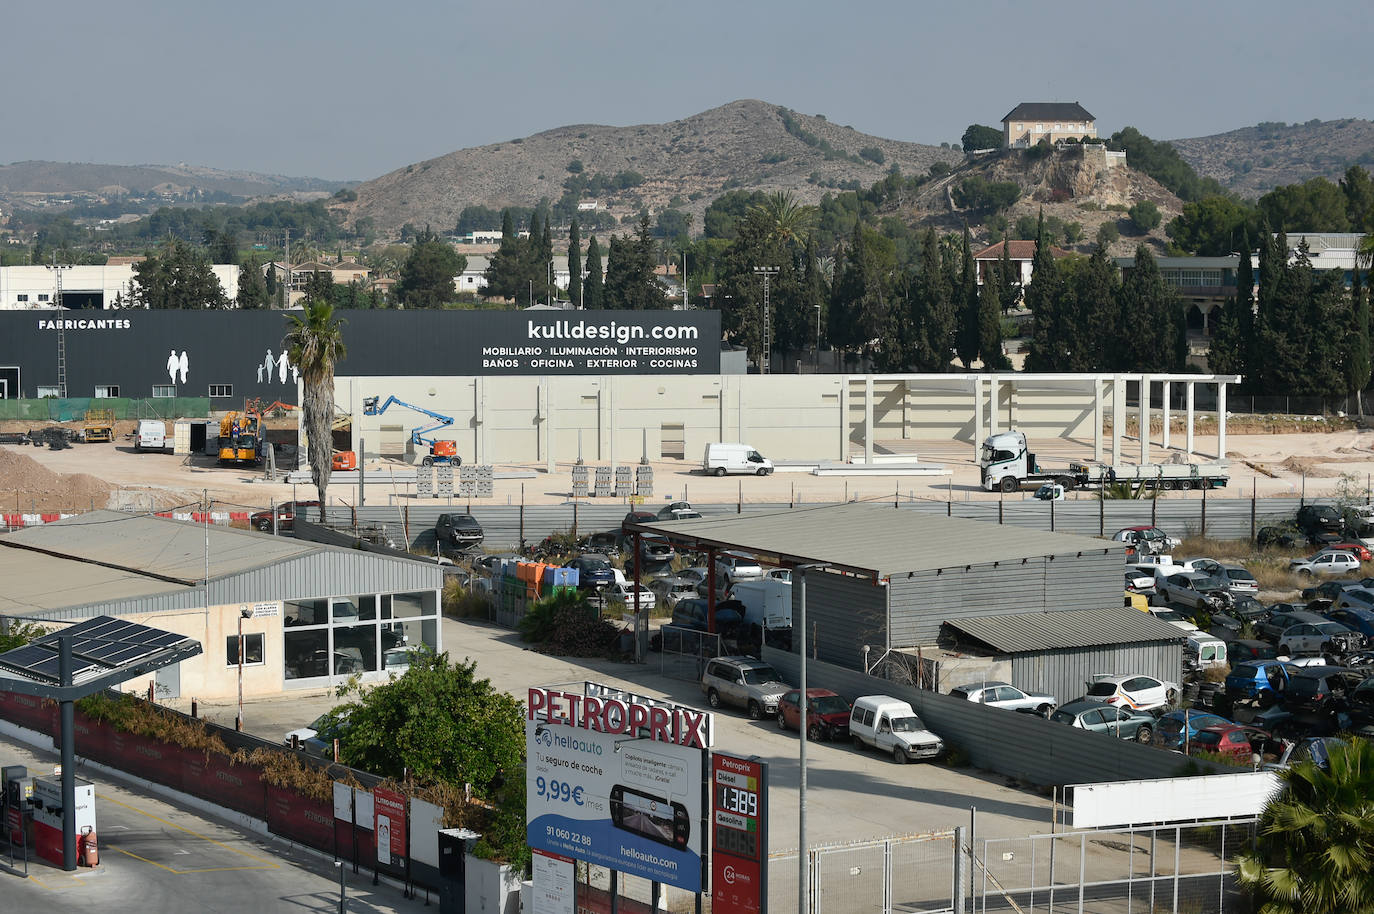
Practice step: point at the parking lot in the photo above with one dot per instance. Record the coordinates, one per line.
(158, 857)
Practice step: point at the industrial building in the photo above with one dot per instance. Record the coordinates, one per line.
(884, 581)
(312, 616)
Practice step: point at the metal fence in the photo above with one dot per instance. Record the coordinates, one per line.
(1179, 513)
(54, 409)
(684, 652)
(1146, 869)
(912, 874)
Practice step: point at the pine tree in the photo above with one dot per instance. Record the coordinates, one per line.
(1043, 297)
(593, 291)
(575, 265)
(970, 318)
(252, 293)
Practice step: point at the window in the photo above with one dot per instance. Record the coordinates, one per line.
(49, 391)
(221, 390)
(42, 296)
(252, 649)
(164, 390)
(106, 391)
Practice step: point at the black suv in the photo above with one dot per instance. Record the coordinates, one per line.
(1319, 521)
(1321, 690)
(458, 532)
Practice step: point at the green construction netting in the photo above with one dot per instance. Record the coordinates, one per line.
(52, 409)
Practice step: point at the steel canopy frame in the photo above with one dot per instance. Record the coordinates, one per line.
(79, 661)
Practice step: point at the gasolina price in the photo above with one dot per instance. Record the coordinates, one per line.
(558, 790)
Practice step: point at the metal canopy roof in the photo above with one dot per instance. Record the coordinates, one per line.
(873, 540)
(1023, 632)
(104, 651)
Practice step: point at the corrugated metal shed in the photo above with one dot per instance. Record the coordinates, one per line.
(877, 541)
(1022, 632)
(119, 563)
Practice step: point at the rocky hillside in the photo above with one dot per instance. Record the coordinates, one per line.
(1064, 184)
(747, 144)
(1254, 160)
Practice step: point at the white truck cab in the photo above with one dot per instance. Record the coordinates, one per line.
(890, 725)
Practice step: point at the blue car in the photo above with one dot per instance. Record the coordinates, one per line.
(594, 571)
(1253, 678)
(1355, 618)
(1169, 731)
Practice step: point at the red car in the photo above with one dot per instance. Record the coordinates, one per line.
(286, 516)
(1236, 742)
(827, 714)
(1360, 550)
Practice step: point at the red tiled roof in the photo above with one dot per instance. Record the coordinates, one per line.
(1019, 250)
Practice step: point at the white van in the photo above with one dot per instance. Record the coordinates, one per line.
(1209, 651)
(733, 457)
(151, 435)
(890, 725)
(767, 602)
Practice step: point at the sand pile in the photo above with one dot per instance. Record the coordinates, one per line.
(26, 486)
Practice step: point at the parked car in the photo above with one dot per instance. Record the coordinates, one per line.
(1248, 609)
(636, 517)
(827, 714)
(1170, 731)
(1241, 650)
(1262, 679)
(1147, 540)
(1314, 749)
(286, 516)
(457, 532)
(1173, 617)
(891, 725)
(1193, 589)
(1006, 696)
(318, 737)
(691, 613)
(1237, 742)
(655, 550)
(779, 574)
(736, 566)
(1279, 621)
(1281, 537)
(1315, 520)
(623, 593)
(1359, 550)
(1356, 618)
(1328, 590)
(594, 571)
(1361, 704)
(1139, 692)
(670, 590)
(1322, 637)
(1325, 564)
(1321, 691)
(678, 510)
(1234, 578)
(745, 682)
(1361, 598)
(1093, 716)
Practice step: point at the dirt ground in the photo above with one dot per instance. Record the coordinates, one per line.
(89, 476)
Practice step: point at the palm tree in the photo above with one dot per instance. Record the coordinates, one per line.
(315, 344)
(788, 221)
(1315, 850)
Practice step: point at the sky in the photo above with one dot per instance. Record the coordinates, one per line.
(350, 90)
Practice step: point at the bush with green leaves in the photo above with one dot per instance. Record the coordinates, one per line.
(1145, 216)
(1107, 233)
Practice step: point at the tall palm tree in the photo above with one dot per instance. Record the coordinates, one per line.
(314, 341)
(1315, 851)
(788, 221)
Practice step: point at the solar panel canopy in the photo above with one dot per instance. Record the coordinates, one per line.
(105, 651)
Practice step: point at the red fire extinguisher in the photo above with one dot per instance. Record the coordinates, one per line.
(91, 851)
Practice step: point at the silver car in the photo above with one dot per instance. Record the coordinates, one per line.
(744, 682)
(1006, 696)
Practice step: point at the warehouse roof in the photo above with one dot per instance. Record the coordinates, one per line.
(1023, 632)
(155, 547)
(36, 582)
(873, 540)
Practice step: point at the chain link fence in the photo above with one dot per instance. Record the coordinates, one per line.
(913, 874)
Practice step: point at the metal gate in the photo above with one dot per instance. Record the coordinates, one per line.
(914, 874)
(684, 651)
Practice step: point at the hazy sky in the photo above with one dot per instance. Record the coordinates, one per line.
(349, 90)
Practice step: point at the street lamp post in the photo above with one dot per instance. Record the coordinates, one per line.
(764, 356)
(244, 613)
(818, 338)
(803, 906)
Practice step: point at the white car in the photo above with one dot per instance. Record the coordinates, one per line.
(1319, 638)
(1142, 693)
(1173, 617)
(736, 566)
(624, 592)
(1233, 577)
(1006, 696)
(1326, 564)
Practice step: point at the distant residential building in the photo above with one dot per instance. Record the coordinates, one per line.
(1030, 122)
(1020, 253)
(1330, 251)
(1203, 283)
(587, 206)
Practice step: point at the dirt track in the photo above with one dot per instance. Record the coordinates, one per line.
(118, 477)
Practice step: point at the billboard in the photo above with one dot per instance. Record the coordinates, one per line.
(597, 790)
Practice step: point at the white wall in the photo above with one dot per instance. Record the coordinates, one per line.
(36, 281)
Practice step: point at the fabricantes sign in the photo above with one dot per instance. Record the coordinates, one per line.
(617, 782)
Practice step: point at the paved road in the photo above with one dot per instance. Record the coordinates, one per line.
(156, 857)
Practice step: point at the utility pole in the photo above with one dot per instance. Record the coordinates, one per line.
(765, 357)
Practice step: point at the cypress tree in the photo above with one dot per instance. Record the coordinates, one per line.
(575, 264)
(990, 323)
(1089, 314)
(1357, 361)
(932, 309)
(970, 319)
(1010, 278)
(1043, 297)
(592, 290)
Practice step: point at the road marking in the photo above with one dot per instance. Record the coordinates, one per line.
(258, 864)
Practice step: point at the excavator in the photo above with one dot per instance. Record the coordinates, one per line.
(441, 451)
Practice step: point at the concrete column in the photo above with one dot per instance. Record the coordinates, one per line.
(843, 454)
(722, 391)
(1221, 420)
(994, 403)
(1144, 419)
(1011, 405)
(1118, 416)
(550, 426)
(977, 415)
(1164, 442)
(1097, 419)
(1188, 409)
(868, 419)
(479, 403)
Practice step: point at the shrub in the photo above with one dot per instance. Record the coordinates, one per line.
(1107, 233)
(1145, 215)
(872, 154)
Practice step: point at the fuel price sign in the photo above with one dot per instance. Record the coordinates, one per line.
(739, 835)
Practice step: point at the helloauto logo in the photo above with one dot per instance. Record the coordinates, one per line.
(544, 737)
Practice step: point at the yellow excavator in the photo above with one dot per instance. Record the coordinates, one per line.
(240, 439)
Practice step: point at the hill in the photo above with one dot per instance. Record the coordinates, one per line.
(43, 179)
(1254, 160)
(747, 144)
